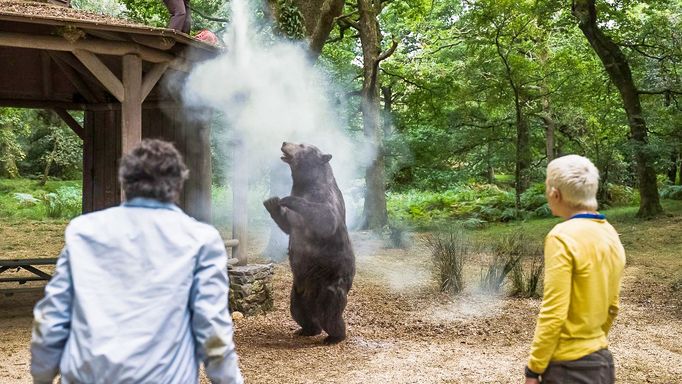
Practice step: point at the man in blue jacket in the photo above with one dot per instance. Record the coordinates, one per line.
(140, 291)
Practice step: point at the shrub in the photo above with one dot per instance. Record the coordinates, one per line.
(26, 199)
(621, 195)
(534, 197)
(450, 252)
(672, 192)
(543, 211)
(527, 273)
(474, 223)
(66, 202)
(506, 252)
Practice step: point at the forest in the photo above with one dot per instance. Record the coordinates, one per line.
(465, 101)
(454, 109)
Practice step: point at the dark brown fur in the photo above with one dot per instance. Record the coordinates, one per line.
(320, 251)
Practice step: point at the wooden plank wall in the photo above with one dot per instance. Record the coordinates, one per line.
(102, 151)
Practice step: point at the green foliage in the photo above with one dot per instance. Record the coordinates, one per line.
(475, 204)
(621, 195)
(25, 199)
(534, 197)
(107, 7)
(64, 203)
(290, 20)
(13, 126)
(155, 13)
(672, 192)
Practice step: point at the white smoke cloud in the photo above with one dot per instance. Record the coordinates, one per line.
(270, 92)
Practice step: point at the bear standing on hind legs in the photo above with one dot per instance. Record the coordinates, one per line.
(320, 252)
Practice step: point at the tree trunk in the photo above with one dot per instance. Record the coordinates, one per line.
(48, 163)
(679, 170)
(618, 68)
(672, 171)
(523, 155)
(376, 215)
(319, 17)
(490, 170)
(547, 115)
(387, 93)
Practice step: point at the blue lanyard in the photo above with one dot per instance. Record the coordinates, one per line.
(593, 216)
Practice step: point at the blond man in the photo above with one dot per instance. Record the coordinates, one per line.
(584, 261)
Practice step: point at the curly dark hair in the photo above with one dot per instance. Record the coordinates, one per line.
(153, 169)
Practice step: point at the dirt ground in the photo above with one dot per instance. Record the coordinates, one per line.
(402, 331)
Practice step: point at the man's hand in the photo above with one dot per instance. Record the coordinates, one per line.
(532, 381)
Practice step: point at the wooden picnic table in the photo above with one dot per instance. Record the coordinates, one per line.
(30, 265)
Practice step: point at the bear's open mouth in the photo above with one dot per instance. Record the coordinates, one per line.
(286, 157)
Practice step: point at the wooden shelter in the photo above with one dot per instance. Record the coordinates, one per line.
(58, 58)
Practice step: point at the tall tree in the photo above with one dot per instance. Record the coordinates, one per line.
(13, 125)
(618, 69)
(376, 214)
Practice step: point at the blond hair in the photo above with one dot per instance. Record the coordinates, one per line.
(577, 179)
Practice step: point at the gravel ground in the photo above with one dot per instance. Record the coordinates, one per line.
(402, 331)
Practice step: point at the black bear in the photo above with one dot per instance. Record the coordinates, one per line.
(320, 251)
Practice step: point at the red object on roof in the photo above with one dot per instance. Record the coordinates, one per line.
(207, 36)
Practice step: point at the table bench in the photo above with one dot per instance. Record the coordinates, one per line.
(30, 265)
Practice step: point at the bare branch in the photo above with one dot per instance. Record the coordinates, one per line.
(406, 80)
(386, 54)
(660, 92)
(217, 19)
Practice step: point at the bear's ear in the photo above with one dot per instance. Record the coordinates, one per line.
(326, 158)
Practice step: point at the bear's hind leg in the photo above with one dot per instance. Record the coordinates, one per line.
(332, 303)
(300, 312)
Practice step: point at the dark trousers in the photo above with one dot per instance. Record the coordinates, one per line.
(595, 368)
(181, 18)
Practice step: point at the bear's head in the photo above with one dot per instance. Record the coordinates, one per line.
(307, 162)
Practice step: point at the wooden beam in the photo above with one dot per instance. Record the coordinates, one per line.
(77, 82)
(71, 122)
(152, 77)
(102, 73)
(95, 46)
(85, 74)
(131, 119)
(47, 74)
(231, 243)
(240, 195)
(106, 35)
(20, 103)
(160, 43)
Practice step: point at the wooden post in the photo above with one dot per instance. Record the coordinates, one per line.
(198, 159)
(88, 162)
(131, 119)
(240, 194)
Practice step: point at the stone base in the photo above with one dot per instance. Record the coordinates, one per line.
(251, 288)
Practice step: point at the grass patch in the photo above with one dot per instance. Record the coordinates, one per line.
(450, 251)
(25, 199)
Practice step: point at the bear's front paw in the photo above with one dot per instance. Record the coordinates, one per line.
(289, 201)
(272, 204)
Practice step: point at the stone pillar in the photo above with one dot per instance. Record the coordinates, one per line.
(251, 288)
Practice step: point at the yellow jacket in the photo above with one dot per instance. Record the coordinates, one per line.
(584, 261)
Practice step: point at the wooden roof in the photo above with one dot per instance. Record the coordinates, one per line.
(49, 54)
